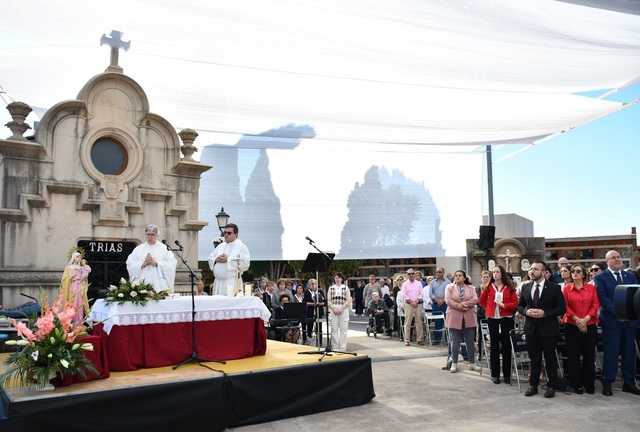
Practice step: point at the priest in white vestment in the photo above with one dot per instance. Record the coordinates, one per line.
(225, 261)
(152, 262)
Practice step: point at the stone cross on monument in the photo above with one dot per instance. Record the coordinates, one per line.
(115, 42)
(508, 257)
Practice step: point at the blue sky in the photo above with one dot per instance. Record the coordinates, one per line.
(568, 185)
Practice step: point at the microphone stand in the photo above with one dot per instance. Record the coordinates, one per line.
(326, 259)
(193, 358)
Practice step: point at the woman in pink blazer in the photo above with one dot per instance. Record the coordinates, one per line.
(461, 319)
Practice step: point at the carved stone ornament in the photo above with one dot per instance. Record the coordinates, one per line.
(188, 136)
(19, 112)
(111, 187)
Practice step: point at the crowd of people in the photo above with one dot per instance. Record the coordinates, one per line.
(574, 302)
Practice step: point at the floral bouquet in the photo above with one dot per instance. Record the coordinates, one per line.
(217, 241)
(136, 292)
(47, 346)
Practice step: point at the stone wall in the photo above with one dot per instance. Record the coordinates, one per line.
(100, 167)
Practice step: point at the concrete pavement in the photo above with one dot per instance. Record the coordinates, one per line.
(413, 392)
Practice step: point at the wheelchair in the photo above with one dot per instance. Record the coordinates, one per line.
(371, 327)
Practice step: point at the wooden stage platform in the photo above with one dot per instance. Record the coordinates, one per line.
(281, 384)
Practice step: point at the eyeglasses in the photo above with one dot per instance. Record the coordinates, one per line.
(410, 274)
(576, 271)
(594, 269)
(228, 232)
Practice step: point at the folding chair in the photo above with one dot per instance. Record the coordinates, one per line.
(430, 319)
(520, 355)
(483, 333)
(561, 351)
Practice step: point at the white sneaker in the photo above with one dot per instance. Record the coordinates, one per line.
(454, 368)
(473, 367)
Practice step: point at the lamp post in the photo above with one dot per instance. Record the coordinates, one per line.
(222, 218)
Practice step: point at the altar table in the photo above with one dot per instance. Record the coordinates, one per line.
(160, 333)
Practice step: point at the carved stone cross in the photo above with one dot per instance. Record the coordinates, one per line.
(116, 43)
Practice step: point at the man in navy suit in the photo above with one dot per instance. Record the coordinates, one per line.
(557, 277)
(542, 302)
(618, 336)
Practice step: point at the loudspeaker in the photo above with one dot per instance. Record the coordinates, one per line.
(487, 236)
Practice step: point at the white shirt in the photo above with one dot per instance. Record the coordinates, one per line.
(162, 276)
(226, 273)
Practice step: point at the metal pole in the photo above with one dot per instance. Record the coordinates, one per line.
(490, 193)
(490, 185)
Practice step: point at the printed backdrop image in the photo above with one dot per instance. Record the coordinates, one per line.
(359, 201)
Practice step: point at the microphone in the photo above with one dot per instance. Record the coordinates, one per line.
(309, 240)
(164, 242)
(179, 245)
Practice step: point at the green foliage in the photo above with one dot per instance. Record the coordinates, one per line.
(134, 292)
(47, 346)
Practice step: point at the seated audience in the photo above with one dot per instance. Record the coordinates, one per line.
(380, 312)
(283, 331)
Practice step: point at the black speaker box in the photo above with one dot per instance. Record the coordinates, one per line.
(487, 237)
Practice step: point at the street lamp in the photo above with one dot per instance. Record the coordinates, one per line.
(222, 218)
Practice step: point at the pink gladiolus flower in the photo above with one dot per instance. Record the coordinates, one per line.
(45, 324)
(23, 330)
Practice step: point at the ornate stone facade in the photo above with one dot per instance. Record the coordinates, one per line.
(99, 169)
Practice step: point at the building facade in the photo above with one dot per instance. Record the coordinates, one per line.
(98, 169)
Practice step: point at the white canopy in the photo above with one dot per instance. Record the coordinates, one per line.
(361, 84)
(407, 71)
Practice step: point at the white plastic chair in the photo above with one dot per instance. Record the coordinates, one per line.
(430, 319)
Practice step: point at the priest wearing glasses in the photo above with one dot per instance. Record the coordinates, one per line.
(228, 261)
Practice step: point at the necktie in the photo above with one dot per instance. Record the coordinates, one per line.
(618, 277)
(536, 295)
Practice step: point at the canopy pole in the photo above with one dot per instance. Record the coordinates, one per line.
(490, 184)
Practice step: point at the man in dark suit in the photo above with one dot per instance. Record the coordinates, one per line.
(315, 300)
(556, 276)
(617, 336)
(542, 302)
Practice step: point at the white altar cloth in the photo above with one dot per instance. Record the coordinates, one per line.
(178, 309)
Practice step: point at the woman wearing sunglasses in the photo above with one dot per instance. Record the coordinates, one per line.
(580, 330)
(594, 269)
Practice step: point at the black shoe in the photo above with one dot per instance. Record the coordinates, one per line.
(495, 380)
(507, 380)
(606, 390)
(579, 390)
(590, 391)
(630, 388)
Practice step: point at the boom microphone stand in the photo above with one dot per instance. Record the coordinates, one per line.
(315, 262)
(193, 358)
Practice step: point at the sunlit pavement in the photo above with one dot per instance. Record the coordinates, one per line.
(413, 392)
